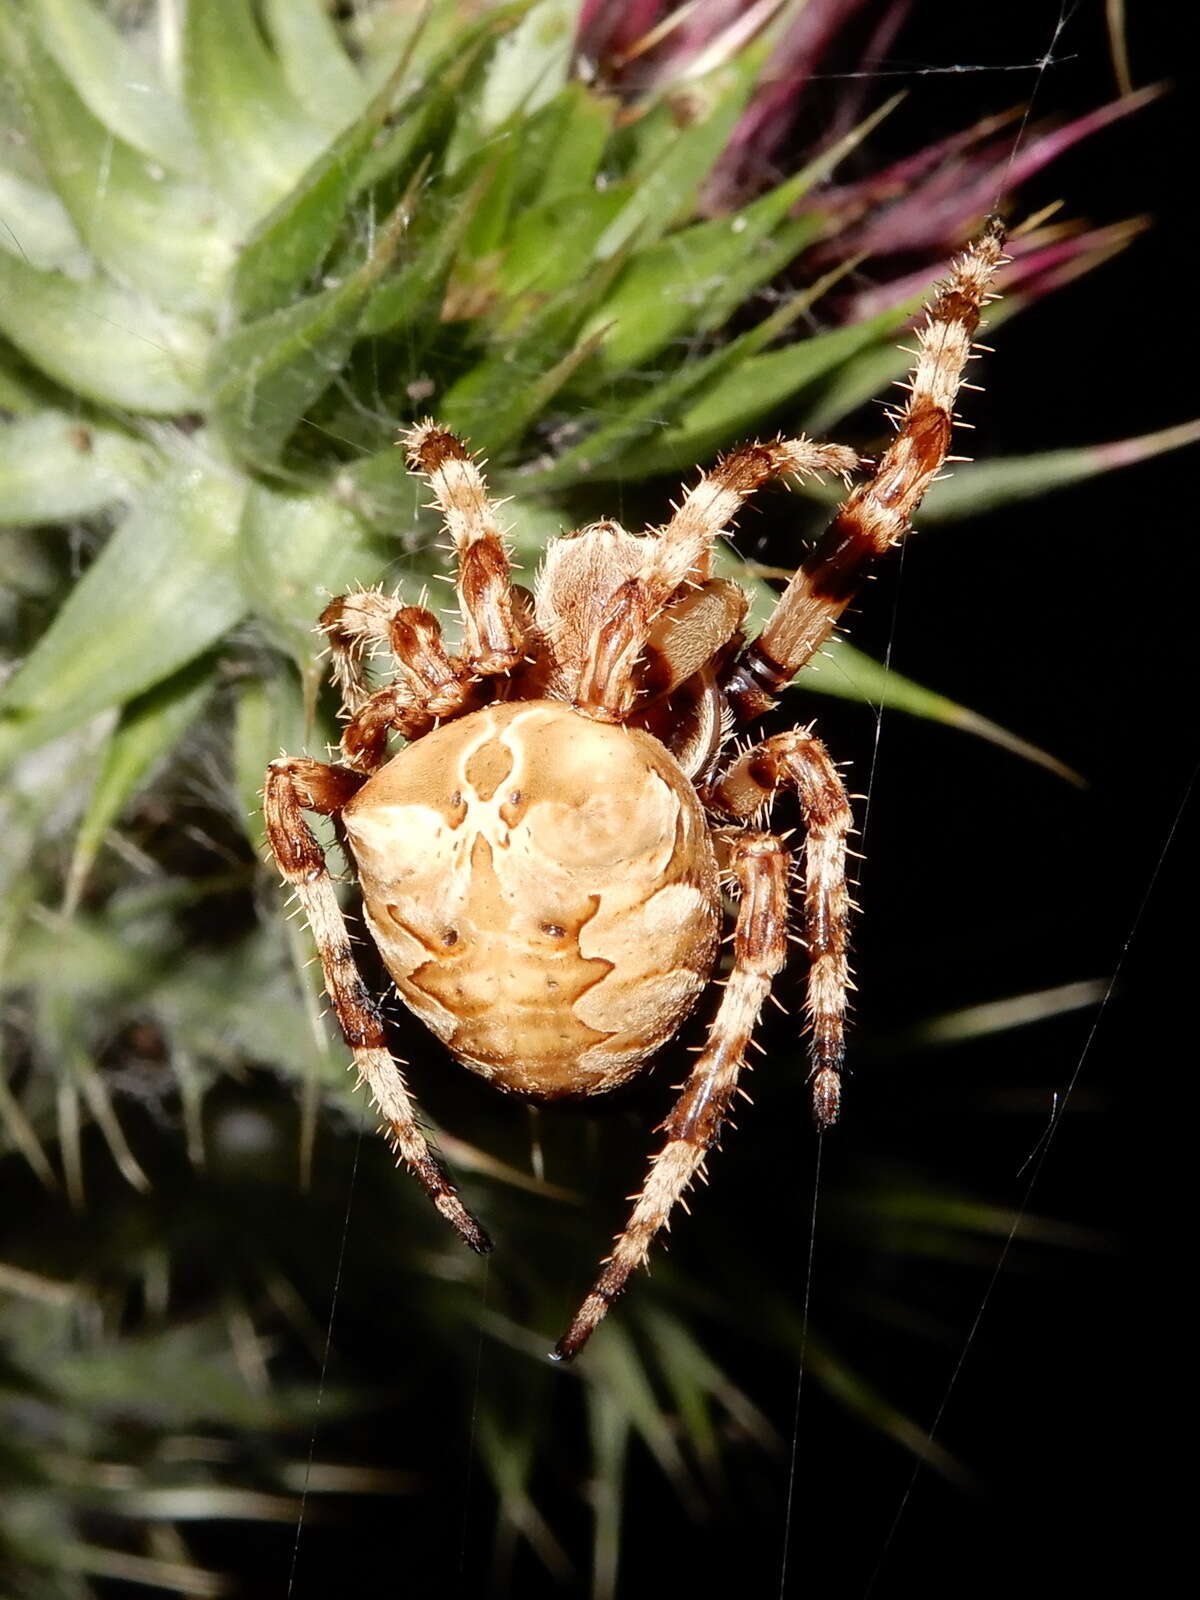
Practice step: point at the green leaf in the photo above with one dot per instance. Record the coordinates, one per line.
(296, 552)
(420, 129)
(617, 449)
(730, 295)
(23, 390)
(269, 720)
(608, 1435)
(849, 674)
(53, 468)
(380, 489)
(495, 429)
(671, 288)
(507, 1444)
(161, 592)
(411, 299)
(475, 281)
(147, 730)
(752, 390)
(864, 375)
(289, 245)
(381, 35)
(257, 138)
(102, 341)
(998, 1016)
(615, 1369)
(185, 1376)
(530, 65)
(152, 231)
(315, 65)
(988, 485)
(34, 225)
(564, 144)
(449, 72)
(697, 278)
(263, 377)
(849, 1387)
(696, 1382)
(491, 403)
(117, 82)
(666, 182)
(551, 247)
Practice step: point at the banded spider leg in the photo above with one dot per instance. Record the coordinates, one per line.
(758, 865)
(431, 685)
(294, 785)
(877, 514)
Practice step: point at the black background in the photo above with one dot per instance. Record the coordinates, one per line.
(1070, 620)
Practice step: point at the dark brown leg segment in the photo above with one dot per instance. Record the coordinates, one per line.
(877, 514)
(295, 785)
(759, 865)
(430, 686)
(746, 789)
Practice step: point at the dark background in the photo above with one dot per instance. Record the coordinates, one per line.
(1071, 621)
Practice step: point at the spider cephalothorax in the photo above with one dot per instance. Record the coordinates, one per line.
(541, 865)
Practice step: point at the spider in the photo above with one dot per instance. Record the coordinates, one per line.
(542, 865)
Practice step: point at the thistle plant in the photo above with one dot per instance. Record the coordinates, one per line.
(240, 245)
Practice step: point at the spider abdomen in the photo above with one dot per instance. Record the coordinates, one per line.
(543, 890)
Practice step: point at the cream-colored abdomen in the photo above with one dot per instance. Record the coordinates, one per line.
(543, 890)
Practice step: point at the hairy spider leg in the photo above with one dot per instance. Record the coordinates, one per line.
(430, 685)
(681, 554)
(876, 515)
(492, 635)
(356, 625)
(758, 864)
(296, 784)
(745, 791)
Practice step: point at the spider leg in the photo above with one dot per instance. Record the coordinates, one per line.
(759, 865)
(745, 790)
(493, 641)
(682, 551)
(430, 686)
(356, 625)
(295, 784)
(877, 514)
(681, 555)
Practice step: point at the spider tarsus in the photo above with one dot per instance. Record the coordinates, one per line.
(471, 1233)
(584, 1324)
(827, 1097)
